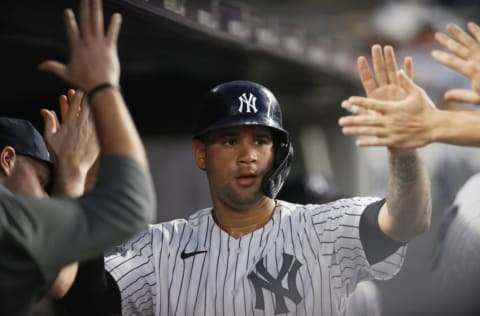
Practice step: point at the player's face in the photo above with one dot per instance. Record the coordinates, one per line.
(236, 160)
(28, 176)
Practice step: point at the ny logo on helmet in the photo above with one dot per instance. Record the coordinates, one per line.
(249, 103)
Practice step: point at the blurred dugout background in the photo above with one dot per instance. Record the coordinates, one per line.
(173, 51)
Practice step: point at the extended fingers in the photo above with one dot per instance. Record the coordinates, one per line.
(50, 121)
(379, 65)
(97, 17)
(391, 64)
(366, 76)
(54, 67)
(63, 102)
(452, 61)
(405, 81)
(452, 45)
(85, 19)
(362, 117)
(364, 120)
(71, 28)
(408, 66)
(361, 130)
(73, 36)
(462, 95)
(372, 142)
(369, 104)
(475, 30)
(84, 108)
(91, 18)
(74, 106)
(460, 35)
(354, 109)
(412, 89)
(114, 28)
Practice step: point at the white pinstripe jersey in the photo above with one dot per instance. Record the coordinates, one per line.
(305, 261)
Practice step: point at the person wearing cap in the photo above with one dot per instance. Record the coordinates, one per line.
(25, 160)
(28, 168)
(38, 235)
(252, 253)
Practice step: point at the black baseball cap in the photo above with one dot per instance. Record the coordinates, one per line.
(24, 138)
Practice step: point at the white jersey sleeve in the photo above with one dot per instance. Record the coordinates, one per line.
(133, 269)
(336, 226)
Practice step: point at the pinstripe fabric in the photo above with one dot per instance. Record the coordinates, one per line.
(305, 261)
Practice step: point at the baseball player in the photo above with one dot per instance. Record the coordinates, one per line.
(454, 268)
(252, 254)
(39, 236)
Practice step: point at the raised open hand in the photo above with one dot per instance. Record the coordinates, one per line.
(73, 142)
(93, 54)
(382, 82)
(464, 58)
(401, 125)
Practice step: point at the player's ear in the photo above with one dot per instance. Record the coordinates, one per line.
(7, 160)
(198, 148)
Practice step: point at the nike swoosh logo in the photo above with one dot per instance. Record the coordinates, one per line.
(185, 255)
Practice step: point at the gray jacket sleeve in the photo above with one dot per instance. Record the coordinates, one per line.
(58, 231)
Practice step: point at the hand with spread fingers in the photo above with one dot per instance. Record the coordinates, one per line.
(72, 143)
(415, 121)
(394, 109)
(93, 54)
(94, 68)
(401, 125)
(391, 98)
(382, 83)
(464, 58)
(74, 149)
(44, 238)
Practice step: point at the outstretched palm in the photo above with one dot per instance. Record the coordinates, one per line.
(382, 84)
(464, 58)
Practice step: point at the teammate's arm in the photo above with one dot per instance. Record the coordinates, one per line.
(407, 210)
(464, 58)
(409, 123)
(123, 200)
(414, 121)
(74, 149)
(94, 63)
(72, 143)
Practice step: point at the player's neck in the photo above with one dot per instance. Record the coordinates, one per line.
(238, 224)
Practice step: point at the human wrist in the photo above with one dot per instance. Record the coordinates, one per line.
(70, 181)
(438, 121)
(92, 92)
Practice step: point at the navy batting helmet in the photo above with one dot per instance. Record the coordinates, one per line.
(241, 102)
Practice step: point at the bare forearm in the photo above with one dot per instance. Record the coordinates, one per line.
(111, 114)
(64, 281)
(408, 201)
(69, 185)
(456, 127)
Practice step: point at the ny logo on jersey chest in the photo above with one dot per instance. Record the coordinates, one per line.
(247, 104)
(264, 280)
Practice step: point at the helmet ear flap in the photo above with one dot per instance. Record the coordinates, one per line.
(274, 179)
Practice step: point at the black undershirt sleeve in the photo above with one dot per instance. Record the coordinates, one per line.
(94, 291)
(376, 244)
